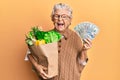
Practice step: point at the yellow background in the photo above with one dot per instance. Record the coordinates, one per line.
(18, 16)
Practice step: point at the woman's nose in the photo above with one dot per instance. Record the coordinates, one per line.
(60, 18)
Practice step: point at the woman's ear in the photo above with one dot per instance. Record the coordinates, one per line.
(70, 21)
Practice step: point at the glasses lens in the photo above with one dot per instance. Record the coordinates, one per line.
(62, 16)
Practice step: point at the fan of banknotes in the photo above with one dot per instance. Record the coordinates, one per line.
(86, 30)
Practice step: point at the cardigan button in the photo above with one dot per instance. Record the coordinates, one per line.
(59, 45)
(65, 38)
(58, 51)
(59, 41)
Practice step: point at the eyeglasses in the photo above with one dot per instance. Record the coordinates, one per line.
(64, 16)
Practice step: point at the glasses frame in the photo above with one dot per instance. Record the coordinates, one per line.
(63, 16)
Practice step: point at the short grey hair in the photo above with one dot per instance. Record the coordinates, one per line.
(62, 6)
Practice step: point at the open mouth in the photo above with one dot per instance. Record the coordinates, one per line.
(60, 24)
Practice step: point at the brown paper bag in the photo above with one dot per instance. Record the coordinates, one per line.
(47, 56)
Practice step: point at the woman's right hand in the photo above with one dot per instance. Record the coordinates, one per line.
(41, 69)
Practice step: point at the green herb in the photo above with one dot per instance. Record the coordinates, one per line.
(38, 34)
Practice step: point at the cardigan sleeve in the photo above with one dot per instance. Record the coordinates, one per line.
(82, 54)
(26, 56)
(82, 57)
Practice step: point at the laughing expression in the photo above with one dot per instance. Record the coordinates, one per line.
(61, 19)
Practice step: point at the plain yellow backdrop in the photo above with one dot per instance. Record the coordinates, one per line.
(18, 16)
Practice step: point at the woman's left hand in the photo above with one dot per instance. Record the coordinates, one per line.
(87, 44)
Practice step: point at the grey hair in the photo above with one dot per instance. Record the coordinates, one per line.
(62, 6)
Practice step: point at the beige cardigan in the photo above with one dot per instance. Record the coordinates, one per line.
(69, 51)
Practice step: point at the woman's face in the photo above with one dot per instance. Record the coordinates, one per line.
(61, 19)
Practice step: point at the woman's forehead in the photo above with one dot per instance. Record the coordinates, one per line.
(61, 11)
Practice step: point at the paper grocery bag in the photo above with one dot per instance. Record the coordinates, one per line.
(47, 56)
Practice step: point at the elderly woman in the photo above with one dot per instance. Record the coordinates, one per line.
(72, 55)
